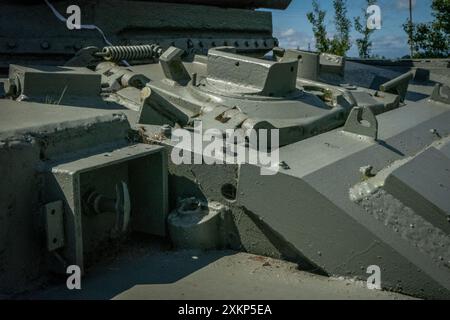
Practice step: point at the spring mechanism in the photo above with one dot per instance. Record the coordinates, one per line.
(131, 53)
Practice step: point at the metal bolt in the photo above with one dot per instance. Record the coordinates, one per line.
(284, 165)
(367, 171)
(11, 44)
(435, 132)
(45, 45)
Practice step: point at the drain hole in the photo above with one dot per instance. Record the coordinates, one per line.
(229, 192)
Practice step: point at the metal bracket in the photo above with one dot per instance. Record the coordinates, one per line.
(362, 121)
(252, 76)
(54, 225)
(441, 93)
(309, 63)
(173, 67)
(399, 85)
(84, 57)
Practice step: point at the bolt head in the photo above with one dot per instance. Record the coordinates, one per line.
(11, 44)
(284, 165)
(367, 171)
(45, 45)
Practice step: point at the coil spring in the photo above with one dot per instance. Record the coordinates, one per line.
(131, 53)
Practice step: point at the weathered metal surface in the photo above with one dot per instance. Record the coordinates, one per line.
(363, 122)
(272, 4)
(73, 181)
(364, 153)
(441, 93)
(198, 225)
(44, 38)
(398, 85)
(54, 85)
(423, 185)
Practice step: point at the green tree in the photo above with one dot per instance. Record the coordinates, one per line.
(340, 43)
(432, 39)
(317, 19)
(364, 43)
(441, 12)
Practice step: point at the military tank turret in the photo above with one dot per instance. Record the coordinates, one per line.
(187, 122)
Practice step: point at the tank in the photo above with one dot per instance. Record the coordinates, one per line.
(176, 141)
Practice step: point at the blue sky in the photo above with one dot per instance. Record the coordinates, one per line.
(292, 28)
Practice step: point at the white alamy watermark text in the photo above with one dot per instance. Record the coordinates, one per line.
(214, 146)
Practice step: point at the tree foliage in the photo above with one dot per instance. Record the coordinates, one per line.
(364, 43)
(340, 43)
(432, 39)
(317, 19)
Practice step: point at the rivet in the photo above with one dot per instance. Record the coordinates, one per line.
(45, 45)
(435, 132)
(367, 171)
(11, 44)
(284, 165)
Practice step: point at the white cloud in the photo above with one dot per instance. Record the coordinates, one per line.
(292, 39)
(288, 33)
(391, 45)
(404, 4)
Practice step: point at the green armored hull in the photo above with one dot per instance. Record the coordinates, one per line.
(335, 167)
